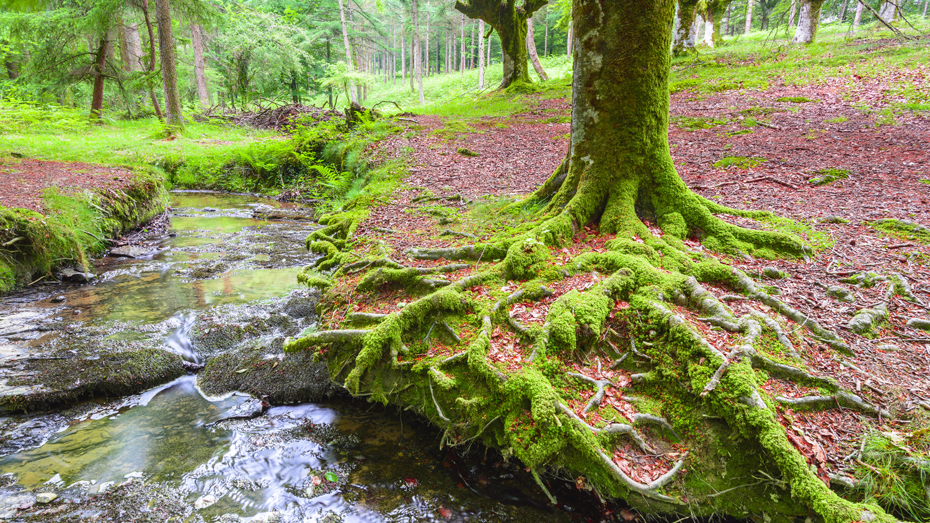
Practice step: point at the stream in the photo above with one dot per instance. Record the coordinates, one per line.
(218, 287)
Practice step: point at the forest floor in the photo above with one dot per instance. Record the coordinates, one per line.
(27, 180)
(777, 140)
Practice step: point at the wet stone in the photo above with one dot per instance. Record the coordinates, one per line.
(130, 251)
(75, 276)
(59, 299)
(774, 273)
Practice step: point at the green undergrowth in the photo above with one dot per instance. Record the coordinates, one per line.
(894, 469)
(73, 228)
(796, 99)
(695, 123)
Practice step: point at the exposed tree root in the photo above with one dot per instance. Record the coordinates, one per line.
(480, 386)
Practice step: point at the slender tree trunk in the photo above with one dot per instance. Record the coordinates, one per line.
(924, 15)
(462, 50)
(684, 34)
(726, 28)
(100, 63)
(200, 69)
(791, 10)
(169, 77)
(709, 29)
(546, 36)
(531, 50)
(417, 65)
(403, 59)
(413, 53)
(133, 48)
(353, 97)
(472, 46)
(480, 54)
(859, 8)
(749, 4)
(843, 10)
(148, 26)
(426, 51)
(808, 21)
(489, 49)
(124, 51)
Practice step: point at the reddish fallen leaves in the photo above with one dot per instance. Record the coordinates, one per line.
(24, 180)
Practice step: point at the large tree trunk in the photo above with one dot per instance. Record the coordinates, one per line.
(531, 49)
(169, 76)
(417, 65)
(808, 21)
(200, 68)
(509, 20)
(148, 26)
(353, 96)
(684, 39)
(749, 16)
(100, 62)
(133, 49)
(481, 54)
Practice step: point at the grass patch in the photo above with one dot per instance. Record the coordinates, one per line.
(739, 162)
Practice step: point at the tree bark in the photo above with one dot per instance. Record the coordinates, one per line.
(169, 77)
(531, 49)
(749, 4)
(843, 10)
(462, 49)
(568, 40)
(200, 67)
(791, 9)
(546, 35)
(685, 35)
(509, 20)
(808, 21)
(100, 62)
(888, 12)
(148, 26)
(481, 54)
(353, 97)
(417, 65)
(859, 8)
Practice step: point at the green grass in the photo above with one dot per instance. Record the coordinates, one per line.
(828, 175)
(796, 100)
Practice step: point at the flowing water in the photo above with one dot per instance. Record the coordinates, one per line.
(175, 452)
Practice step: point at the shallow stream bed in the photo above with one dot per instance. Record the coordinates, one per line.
(217, 288)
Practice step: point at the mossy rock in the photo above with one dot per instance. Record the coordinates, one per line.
(866, 321)
(465, 151)
(261, 369)
(828, 176)
(49, 383)
(904, 229)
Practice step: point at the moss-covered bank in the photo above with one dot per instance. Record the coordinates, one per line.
(74, 226)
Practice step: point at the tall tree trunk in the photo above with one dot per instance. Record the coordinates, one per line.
(353, 97)
(709, 28)
(684, 35)
(531, 49)
(481, 54)
(426, 51)
(749, 4)
(808, 21)
(546, 36)
(462, 49)
(924, 15)
(472, 46)
(124, 51)
(859, 8)
(200, 67)
(843, 11)
(148, 26)
(403, 59)
(417, 65)
(490, 40)
(100, 63)
(133, 49)
(792, 7)
(169, 76)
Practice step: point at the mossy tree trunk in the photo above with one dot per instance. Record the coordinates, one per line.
(685, 35)
(509, 20)
(808, 21)
(169, 75)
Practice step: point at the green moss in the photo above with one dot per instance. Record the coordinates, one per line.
(465, 151)
(690, 123)
(526, 258)
(796, 100)
(829, 175)
(905, 229)
(739, 162)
